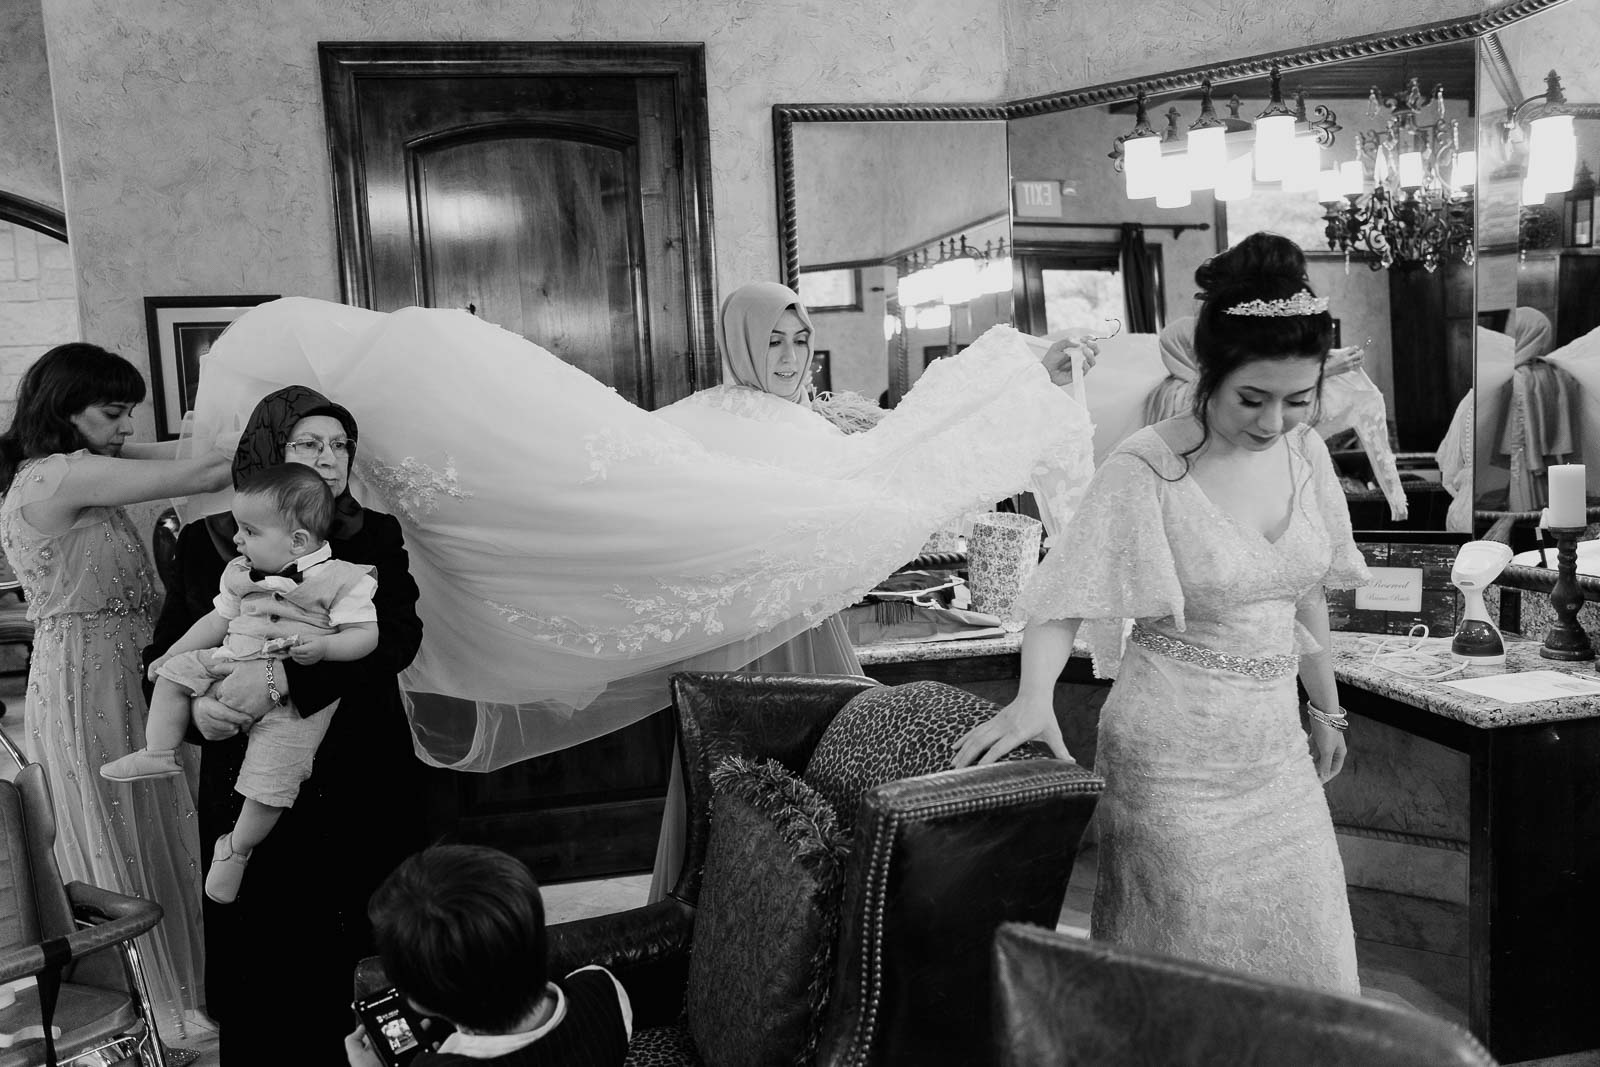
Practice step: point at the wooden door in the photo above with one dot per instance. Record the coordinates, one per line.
(560, 191)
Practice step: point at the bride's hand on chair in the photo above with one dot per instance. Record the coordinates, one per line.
(1017, 723)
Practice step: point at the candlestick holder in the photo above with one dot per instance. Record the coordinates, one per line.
(1566, 638)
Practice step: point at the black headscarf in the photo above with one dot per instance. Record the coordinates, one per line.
(262, 445)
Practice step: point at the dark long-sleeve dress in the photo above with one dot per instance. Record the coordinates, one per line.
(279, 960)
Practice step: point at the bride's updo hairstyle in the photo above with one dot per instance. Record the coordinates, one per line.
(1264, 268)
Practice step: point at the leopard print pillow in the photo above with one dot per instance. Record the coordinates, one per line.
(895, 732)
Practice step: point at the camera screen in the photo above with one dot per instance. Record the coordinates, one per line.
(387, 1025)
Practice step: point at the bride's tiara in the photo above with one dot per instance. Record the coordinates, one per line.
(1301, 303)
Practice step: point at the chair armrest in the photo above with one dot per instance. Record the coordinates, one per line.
(646, 948)
(92, 904)
(114, 918)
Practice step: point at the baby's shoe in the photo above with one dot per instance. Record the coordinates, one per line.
(227, 871)
(145, 763)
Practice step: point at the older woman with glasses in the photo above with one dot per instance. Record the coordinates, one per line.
(301, 923)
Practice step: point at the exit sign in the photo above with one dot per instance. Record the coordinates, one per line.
(1038, 200)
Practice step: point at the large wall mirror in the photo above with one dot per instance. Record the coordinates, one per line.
(871, 200)
(1408, 258)
(1538, 383)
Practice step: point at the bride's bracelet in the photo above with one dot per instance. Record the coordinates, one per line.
(1336, 719)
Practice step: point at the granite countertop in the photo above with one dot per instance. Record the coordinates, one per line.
(1352, 662)
(1352, 657)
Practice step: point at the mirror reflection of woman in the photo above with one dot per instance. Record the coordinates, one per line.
(1215, 531)
(573, 551)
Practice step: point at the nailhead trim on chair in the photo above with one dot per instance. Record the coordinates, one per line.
(1070, 779)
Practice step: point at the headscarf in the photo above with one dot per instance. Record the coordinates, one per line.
(262, 445)
(1530, 331)
(745, 325)
(1177, 349)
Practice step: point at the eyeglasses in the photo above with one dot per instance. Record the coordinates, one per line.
(311, 447)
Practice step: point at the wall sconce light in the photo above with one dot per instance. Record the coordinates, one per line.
(1552, 142)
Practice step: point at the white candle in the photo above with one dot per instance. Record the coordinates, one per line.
(1568, 502)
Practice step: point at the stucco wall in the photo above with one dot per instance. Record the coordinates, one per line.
(192, 137)
(29, 166)
(1062, 44)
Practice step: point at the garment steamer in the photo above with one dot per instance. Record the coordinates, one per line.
(1477, 642)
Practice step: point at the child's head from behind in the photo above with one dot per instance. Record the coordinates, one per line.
(460, 929)
(282, 512)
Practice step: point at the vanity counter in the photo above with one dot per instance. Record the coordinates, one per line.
(997, 657)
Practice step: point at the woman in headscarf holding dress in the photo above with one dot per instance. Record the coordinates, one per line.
(302, 925)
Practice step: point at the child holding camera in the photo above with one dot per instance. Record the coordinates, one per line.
(283, 596)
(460, 930)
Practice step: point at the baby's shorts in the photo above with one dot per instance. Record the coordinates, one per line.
(278, 756)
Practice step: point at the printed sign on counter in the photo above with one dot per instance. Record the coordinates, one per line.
(1392, 589)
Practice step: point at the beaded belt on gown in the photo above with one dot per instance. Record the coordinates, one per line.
(1264, 667)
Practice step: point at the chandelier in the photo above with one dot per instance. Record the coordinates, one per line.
(1225, 156)
(931, 283)
(1407, 197)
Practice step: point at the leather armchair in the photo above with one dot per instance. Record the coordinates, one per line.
(937, 863)
(1062, 999)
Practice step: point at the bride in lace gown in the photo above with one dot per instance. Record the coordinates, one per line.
(573, 551)
(1216, 532)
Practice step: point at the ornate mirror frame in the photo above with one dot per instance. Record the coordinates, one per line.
(784, 116)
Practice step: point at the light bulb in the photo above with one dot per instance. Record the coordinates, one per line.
(1410, 170)
(1141, 164)
(1352, 178)
(1274, 141)
(891, 326)
(995, 277)
(1464, 173)
(1174, 188)
(1238, 179)
(1208, 155)
(958, 280)
(1330, 186)
(1552, 153)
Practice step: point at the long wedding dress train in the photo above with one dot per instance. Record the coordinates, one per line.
(573, 550)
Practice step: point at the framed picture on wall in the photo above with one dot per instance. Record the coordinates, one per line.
(831, 290)
(181, 330)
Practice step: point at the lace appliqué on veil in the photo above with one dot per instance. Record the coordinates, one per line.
(776, 588)
(612, 445)
(412, 487)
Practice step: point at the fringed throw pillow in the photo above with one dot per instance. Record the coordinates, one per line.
(764, 929)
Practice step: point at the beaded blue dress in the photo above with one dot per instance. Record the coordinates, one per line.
(1215, 839)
